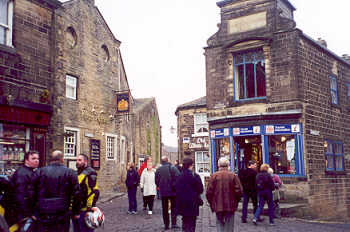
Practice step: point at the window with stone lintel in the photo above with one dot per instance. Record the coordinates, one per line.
(249, 75)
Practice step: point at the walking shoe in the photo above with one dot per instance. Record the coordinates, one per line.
(133, 212)
(254, 222)
(150, 212)
(272, 224)
(129, 212)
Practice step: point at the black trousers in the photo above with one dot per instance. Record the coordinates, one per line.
(57, 226)
(165, 206)
(189, 223)
(149, 201)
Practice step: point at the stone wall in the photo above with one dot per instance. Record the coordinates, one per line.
(87, 50)
(147, 130)
(332, 121)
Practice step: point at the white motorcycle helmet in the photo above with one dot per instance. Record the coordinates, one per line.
(94, 218)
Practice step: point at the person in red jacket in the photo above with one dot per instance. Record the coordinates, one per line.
(142, 167)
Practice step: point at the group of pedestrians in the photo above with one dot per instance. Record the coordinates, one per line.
(48, 198)
(182, 188)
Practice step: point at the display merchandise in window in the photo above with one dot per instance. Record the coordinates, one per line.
(282, 154)
(223, 149)
(14, 142)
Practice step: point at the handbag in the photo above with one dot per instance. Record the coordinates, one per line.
(276, 195)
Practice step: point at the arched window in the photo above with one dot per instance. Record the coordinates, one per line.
(105, 53)
(71, 37)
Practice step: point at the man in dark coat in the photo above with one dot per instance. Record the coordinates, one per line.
(247, 178)
(132, 181)
(165, 179)
(189, 187)
(57, 188)
(23, 189)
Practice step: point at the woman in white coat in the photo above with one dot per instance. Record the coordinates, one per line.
(148, 186)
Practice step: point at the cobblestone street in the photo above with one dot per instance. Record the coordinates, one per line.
(118, 220)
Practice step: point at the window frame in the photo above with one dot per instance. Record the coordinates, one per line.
(77, 143)
(199, 124)
(244, 63)
(333, 78)
(334, 155)
(198, 163)
(9, 26)
(115, 147)
(75, 97)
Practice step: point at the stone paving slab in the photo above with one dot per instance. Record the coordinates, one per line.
(117, 220)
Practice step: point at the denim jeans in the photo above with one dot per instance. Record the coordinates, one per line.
(132, 199)
(225, 221)
(246, 197)
(265, 195)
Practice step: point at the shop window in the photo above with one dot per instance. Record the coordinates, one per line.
(334, 156)
(282, 154)
(334, 89)
(111, 150)
(200, 123)
(71, 87)
(6, 12)
(222, 147)
(14, 142)
(249, 75)
(202, 162)
(71, 143)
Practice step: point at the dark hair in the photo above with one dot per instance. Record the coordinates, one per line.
(29, 153)
(187, 162)
(251, 162)
(86, 158)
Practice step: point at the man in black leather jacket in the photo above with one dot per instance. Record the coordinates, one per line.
(57, 187)
(23, 189)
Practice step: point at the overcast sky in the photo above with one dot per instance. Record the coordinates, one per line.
(163, 40)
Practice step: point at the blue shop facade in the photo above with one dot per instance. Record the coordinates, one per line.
(279, 145)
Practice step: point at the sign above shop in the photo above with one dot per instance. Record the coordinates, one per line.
(250, 130)
(220, 133)
(282, 129)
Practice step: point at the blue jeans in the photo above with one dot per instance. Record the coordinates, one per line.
(79, 224)
(132, 199)
(246, 197)
(265, 195)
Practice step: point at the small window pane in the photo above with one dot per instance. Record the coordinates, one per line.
(240, 76)
(239, 59)
(339, 163)
(333, 84)
(3, 11)
(329, 162)
(250, 80)
(2, 35)
(260, 79)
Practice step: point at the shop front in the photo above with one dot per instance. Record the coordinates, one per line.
(279, 145)
(21, 130)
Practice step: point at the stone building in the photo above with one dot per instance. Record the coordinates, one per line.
(147, 134)
(26, 78)
(193, 135)
(171, 153)
(89, 79)
(277, 96)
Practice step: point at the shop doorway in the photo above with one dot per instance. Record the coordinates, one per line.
(247, 148)
(39, 145)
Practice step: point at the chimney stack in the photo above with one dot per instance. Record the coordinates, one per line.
(322, 42)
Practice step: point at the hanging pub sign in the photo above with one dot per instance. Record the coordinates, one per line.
(123, 102)
(95, 152)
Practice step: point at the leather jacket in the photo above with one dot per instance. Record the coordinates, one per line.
(22, 182)
(57, 187)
